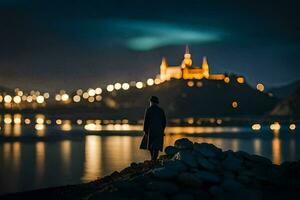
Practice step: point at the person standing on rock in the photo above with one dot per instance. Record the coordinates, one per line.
(154, 126)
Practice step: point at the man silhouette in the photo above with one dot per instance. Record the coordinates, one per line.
(154, 126)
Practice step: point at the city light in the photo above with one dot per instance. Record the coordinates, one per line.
(79, 121)
(157, 81)
(76, 98)
(27, 121)
(7, 119)
(190, 83)
(58, 121)
(260, 87)
(29, 99)
(17, 119)
(46, 95)
(150, 82)
(292, 127)
(79, 92)
(139, 85)
(275, 126)
(91, 92)
(40, 120)
(7, 99)
(256, 127)
(118, 86)
(65, 97)
(226, 79)
(91, 99)
(98, 98)
(1, 98)
(199, 84)
(57, 97)
(40, 99)
(234, 104)
(125, 86)
(98, 90)
(240, 80)
(85, 95)
(110, 88)
(17, 99)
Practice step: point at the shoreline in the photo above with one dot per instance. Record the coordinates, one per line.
(187, 171)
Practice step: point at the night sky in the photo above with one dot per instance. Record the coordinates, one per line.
(71, 44)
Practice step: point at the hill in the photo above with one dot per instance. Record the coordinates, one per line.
(289, 107)
(202, 98)
(285, 90)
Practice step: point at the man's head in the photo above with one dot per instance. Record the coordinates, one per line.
(154, 100)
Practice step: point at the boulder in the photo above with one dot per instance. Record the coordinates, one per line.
(162, 187)
(243, 155)
(106, 195)
(186, 157)
(231, 162)
(204, 163)
(183, 196)
(189, 179)
(260, 159)
(171, 151)
(175, 165)
(229, 184)
(208, 176)
(206, 150)
(164, 173)
(154, 195)
(217, 192)
(183, 143)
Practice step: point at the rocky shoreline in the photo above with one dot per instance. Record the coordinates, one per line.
(188, 171)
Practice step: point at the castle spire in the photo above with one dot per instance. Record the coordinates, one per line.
(164, 62)
(187, 50)
(187, 61)
(205, 67)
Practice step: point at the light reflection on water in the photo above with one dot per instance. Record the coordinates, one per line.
(31, 164)
(28, 165)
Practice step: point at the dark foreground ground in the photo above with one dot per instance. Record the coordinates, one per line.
(188, 171)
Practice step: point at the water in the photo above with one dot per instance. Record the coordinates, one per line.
(34, 157)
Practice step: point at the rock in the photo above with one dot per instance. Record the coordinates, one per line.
(187, 158)
(208, 177)
(207, 150)
(231, 162)
(141, 179)
(216, 191)
(175, 165)
(162, 187)
(204, 163)
(154, 195)
(228, 174)
(189, 179)
(183, 196)
(164, 173)
(105, 196)
(170, 150)
(260, 159)
(231, 184)
(243, 155)
(183, 143)
(244, 179)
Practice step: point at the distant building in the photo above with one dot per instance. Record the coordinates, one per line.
(186, 70)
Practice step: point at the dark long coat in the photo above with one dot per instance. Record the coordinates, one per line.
(154, 126)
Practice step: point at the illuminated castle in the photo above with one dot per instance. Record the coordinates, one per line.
(186, 70)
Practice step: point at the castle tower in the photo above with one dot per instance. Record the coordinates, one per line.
(187, 61)
(163, 69)
(205, 67)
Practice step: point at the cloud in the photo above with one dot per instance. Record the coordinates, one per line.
(148, 35)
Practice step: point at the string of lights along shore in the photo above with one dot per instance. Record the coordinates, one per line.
(186, 70)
